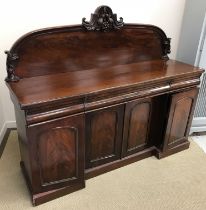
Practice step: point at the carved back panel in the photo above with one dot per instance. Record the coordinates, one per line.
(100, 43)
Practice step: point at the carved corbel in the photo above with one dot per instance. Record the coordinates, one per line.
(166, 48)
(10, 65)
(103, 19)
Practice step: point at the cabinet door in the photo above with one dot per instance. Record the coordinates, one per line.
(103, 135)
(136, 126)
(57, 153)
(180, 117)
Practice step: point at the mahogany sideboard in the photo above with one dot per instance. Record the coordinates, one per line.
(93, 97)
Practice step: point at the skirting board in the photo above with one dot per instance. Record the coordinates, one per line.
(198, 125)
(8, 124)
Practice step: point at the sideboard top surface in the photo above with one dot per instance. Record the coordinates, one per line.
(46, 88)
(103, 56)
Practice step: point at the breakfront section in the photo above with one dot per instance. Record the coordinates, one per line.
(160, 123)
(57, 153)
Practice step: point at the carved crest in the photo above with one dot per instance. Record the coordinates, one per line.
(103, 19)
(10, 65)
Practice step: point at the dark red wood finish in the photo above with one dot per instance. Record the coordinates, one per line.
(94, 97)
(136, 126)
(73, 88)
(57, 149)
(104, 135)
(68, 45)
(68, 50)
(180, 117)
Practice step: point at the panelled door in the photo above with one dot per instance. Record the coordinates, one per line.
(57, 153)
(104, 135)
(136, 126)
(180, 117)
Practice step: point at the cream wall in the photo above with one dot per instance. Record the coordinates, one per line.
(22, 16)
(2, 120)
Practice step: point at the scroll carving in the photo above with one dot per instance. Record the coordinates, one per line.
(167, 48)
(103, 19)
(10, 65)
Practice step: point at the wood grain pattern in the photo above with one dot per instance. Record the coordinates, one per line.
(136, 126)
(139, 119)
(180, 117)
(75, 49)
(103, 133)
(103, 136)
(57, 154)
(48, 89)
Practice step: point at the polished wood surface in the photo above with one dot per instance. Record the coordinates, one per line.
(68, 51)
(180, 117)
(77, 48)
(35, 90)
(57, 153)
(136, 126)
(104, 135)
(94, 97)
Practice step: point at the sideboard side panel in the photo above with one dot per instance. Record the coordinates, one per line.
(23, 140)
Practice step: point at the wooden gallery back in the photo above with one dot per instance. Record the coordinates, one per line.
(93, 97)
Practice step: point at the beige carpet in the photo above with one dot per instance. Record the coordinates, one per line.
(176, 182)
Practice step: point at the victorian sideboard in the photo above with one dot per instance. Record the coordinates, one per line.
(94, 97)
